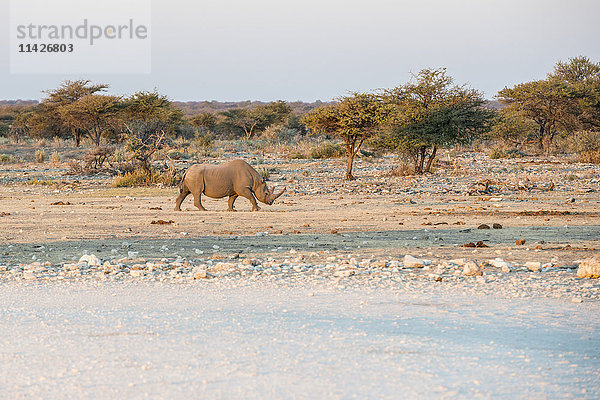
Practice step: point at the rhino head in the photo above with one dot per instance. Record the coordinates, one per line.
(264, 194)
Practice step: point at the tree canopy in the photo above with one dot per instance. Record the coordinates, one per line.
(352, 118)
(430, 112)
(566, 102)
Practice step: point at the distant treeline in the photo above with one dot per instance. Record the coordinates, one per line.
(415, 119)
(197, 107)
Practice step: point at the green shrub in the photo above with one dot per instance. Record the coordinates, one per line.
(206, 153)
(142, 177)
(588, 148)
(40, 156)
(280, 132)
(327, 150)
(571, 177)
(204, 140)
(5, 158)
(43, 182)
(496, 153)
(178, 155)
(404, 169)
(297, 156)
(55, 157)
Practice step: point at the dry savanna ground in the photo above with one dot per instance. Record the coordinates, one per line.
(314, 296)
(550, 204)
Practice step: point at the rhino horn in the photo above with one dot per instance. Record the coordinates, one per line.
(275, 196)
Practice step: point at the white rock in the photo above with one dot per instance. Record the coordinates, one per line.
(91, 260)
(533, 265)
(413, 262)
(343, 273)
(500, 263)
(199, 273)
(132, 254)
(589, 268)
(471, 269)
(458, 261)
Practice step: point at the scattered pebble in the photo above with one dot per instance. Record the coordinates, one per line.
(589, 268)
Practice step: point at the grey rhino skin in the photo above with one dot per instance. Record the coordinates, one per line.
(233, 179)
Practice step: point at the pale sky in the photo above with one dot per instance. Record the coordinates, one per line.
(230, 50)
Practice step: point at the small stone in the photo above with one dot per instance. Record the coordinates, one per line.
(500, 263)
(533, 266)
(343, 273)
(589, 268)
(413, 262)
(91, 260)
(483, 226)
(458, 261)
(200, 273)
(520, 242)
(136, 272)
(471, 269)
(496, 226)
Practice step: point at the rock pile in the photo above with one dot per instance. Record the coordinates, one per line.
(496, 276)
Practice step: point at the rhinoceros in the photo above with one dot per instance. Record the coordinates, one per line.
(233, 179)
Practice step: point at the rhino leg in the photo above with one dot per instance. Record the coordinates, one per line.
(182, 195)
(247, 193)
(231, 201)
(198, 201)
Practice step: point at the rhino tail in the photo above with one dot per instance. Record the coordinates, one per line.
(182, 180)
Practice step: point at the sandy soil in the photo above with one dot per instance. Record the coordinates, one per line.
(430, 215)
(306, 298)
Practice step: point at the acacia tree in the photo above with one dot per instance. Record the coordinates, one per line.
(95, 115)
(353, 118)
(545, 102)
(149, 118)
(253, 120)
(205, 122)
(582, 79)
(431, 112)
(512, 127)
(52, 108)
